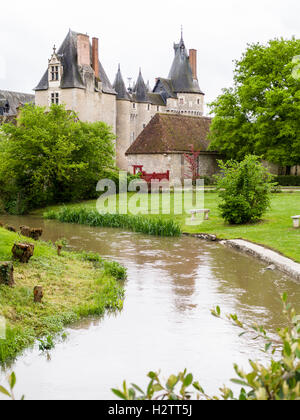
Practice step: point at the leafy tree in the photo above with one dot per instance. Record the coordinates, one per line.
(245, 190)
(52, 157)
(260, 113)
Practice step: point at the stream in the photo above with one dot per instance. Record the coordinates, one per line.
(166, 324)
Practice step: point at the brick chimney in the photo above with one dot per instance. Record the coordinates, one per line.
(95, 57)
(193, 63)
(83, 50)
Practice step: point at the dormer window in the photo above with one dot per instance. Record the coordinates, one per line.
(54, 73)
(55, 68)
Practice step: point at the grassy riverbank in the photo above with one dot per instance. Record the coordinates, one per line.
(274, 231)
(75, 285)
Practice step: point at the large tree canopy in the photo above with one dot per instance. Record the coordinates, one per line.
(261, 113)
(51, 157)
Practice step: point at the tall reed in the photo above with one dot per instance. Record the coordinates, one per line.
(148, 225)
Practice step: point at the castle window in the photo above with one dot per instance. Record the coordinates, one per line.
(144, 125)
(181, 101)
(54, 73)
(55, 98)
(134, 106)
(198, 102)
(149, 107)
(158, 109)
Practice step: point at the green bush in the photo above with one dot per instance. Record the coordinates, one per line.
(111, 268)
(52, 157)
(288, 180)
(244, 189)
(113, 175)
(115, 270)
(208, 180)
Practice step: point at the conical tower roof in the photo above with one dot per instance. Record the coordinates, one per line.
(181, 73)
(120, 88)
(140, 89)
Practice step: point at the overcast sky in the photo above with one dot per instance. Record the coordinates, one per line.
(138, 33)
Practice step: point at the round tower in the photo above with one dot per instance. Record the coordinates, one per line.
(123, 121)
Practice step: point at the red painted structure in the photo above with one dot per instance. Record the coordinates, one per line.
(138, 169)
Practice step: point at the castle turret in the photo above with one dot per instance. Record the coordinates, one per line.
(182, 75)
(181, 92)
(140, 90)
(123, 120)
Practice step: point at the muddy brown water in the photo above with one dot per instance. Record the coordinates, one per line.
(166, 323)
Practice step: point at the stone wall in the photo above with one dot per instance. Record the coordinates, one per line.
(192, 104)
(90, 106)
(158, 163)
(208, 164)
(295, 170)
(175, 163)
(140, 116)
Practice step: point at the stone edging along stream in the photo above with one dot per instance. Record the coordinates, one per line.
(284, 264)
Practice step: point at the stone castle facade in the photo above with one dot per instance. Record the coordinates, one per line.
(75, 77)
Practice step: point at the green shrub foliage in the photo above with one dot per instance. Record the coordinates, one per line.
(244, 189)
(51, 157)
(288, 180)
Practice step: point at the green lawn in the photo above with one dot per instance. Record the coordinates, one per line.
(274, 231)
(75, 285)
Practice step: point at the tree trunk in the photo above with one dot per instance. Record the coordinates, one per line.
(38, 294)
(7, 274)
(36, 234)
(11, 229)
(25, 231)
(59, 249)
(23, 252)
(31, 233)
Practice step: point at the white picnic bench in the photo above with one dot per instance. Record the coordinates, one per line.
(201, 211)
(296, 221)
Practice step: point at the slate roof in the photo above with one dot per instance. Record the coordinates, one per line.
(140, 90)
(156, 99)
(172, 133)
(180, 79)
(165, 88)
(14, 99)
(120, 88)
(71, 74)
(181, 73)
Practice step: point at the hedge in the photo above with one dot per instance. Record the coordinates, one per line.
(288, 180)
